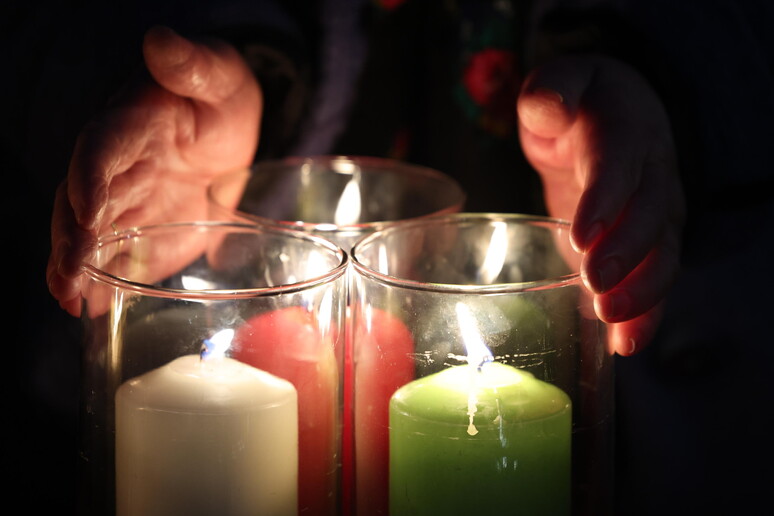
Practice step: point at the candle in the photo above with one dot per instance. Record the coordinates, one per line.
(384, 360)
(290, 343)
(480, 440)
(203, 437)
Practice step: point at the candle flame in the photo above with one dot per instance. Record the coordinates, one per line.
(477, 352)
(495, 254)
(350, 205)
(217, 345)
(195, 283)
(478, 355)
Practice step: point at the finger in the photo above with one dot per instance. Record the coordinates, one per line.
(632, 336)
(226, 99)
(66, 291)
(137, 196)
(108, 146)
(626, 127)
(551, 95)
(210, 73)
(543, 111)
(613, 147)
(618, 251)
(547, 107)
(580, 136)
(600, 124)
(647, 284)
(613, 162)
(70, 246)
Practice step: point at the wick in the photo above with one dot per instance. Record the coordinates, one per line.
(484, 360)
(217, 345)
(206, 351)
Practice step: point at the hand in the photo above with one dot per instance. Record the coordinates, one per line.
(149, 157)
(601, 141)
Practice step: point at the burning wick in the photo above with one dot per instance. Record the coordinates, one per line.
(478, 355)
(217, 345)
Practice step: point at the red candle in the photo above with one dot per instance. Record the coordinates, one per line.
(383, 360)
(347, 434)
(288, 343)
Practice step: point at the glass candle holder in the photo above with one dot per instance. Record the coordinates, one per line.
(341, 198)
(212, 372)
(483, 381)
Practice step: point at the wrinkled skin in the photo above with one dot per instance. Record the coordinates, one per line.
(592, 127)
(601, 141)
(149, 157)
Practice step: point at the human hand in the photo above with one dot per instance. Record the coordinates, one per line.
(149, 157)
(601, 141)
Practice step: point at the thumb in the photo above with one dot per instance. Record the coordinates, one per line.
(551, 95)
(209, 72)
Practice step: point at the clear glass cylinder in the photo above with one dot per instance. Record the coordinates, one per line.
(341, 198)
(213, 372)
(483, 380)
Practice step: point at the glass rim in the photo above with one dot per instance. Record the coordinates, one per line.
(495, 288)
(98, 274)
(381, 165)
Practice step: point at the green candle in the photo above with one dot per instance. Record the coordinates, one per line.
(480, 440)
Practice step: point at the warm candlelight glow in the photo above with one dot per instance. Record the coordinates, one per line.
(350, 204)
(477, 351)
(217, 345)
(196, 283)
(495, 254)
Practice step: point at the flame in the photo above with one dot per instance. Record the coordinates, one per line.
(217, 345)
(477, 352)
(350, 205)
(196, 283)
(478, 355)
(495, 254)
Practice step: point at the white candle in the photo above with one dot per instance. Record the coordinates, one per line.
(204, 437)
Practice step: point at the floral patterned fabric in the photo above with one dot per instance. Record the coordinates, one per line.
(439, 88)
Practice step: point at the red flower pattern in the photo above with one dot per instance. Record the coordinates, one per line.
(491, 79)
(389, 5)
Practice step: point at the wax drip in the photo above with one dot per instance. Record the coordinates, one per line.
(478, 355)
(472, 430)
(475, 374)
(500, 422)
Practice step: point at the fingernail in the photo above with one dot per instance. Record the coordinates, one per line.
(50, 282)
(549, 94)
(614, 305)
(632, 346)
(62, 251)
(586, 240)
(608, 274)
(177, 49)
